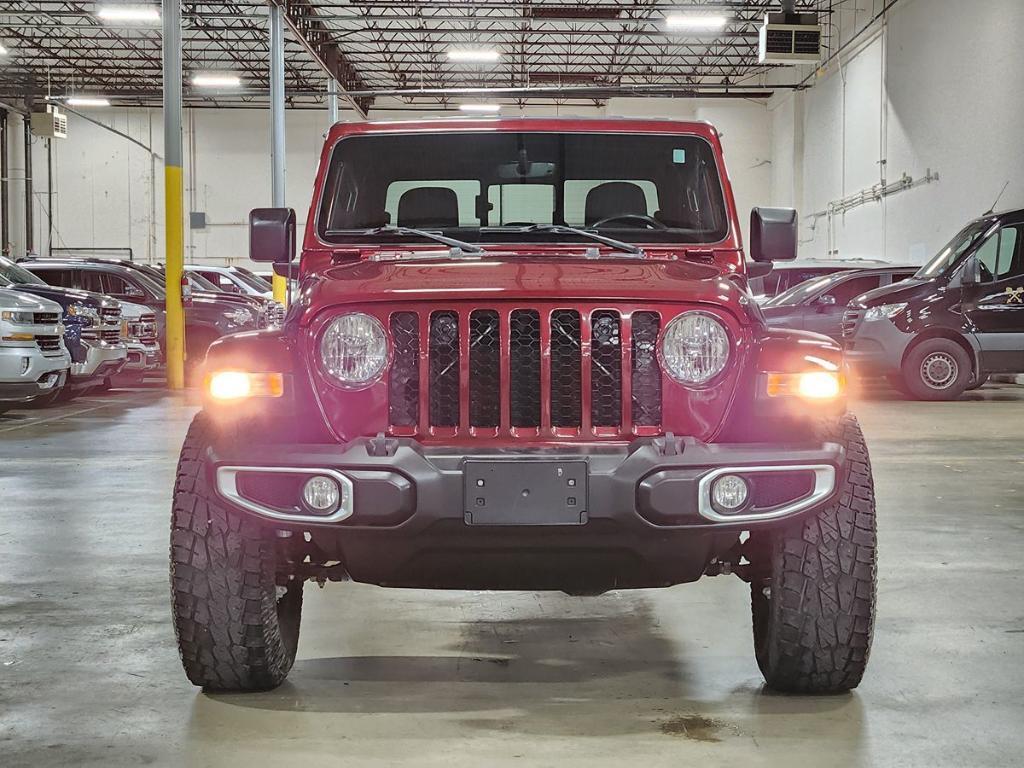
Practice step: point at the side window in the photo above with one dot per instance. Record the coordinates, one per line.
(847, 290)
(90, 281)
(121, 288)
(988, 257)
(65, 278)
(1009, 263)
(227, 284)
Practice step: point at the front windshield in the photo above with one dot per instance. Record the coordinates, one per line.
(956, 247)
(800, 292)
(151, 278)
(486, 187)
(16, 275)
(251, 280)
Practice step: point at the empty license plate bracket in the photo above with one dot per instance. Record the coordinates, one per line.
(541, 492)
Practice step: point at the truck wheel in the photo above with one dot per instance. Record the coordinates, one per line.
(813, 602)
(937, 369)
(237, 630)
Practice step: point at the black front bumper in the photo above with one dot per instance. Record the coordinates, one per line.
(640, 525)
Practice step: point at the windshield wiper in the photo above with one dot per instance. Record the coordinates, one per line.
(562, 229)
(388, 229)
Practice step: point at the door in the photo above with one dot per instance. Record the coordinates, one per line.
(825, 313)
(995, 305)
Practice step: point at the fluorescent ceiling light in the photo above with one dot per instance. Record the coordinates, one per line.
(216, 80)
(473, 54)
(87, 101)
(144, 13)
(695, 21)
(3, 50)
(480, 107)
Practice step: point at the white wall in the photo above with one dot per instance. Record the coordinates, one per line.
(104, 193)
(937, 86)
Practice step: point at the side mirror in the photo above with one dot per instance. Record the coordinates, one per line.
(272, 234)
(828, 300)
(773, 234)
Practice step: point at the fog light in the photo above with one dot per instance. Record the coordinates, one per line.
(820, 385)
(729, 493)
(321, 494)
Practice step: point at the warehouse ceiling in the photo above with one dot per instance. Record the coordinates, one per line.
(551, 51)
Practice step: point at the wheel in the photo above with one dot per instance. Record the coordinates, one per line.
(237, 629)
(813, 598)
(937, 369)
(62, 395)
(104, 386)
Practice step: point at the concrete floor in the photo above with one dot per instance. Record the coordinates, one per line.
(89, 674)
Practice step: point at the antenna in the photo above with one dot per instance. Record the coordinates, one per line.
(998, 198)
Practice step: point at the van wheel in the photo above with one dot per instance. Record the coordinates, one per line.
(937, 369)
(237, 627)
(977, 383)
(813, 595)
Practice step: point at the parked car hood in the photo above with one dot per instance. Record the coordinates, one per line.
(66, 295)
(890, 294)
(15, 301)
(551, 278)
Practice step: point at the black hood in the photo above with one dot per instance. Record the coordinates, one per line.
(65, 296)
(890, 294)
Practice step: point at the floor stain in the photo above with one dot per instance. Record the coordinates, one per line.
(694, 727)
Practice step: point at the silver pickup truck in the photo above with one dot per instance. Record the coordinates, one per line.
(33, 359)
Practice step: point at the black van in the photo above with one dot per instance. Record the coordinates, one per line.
(959, 319)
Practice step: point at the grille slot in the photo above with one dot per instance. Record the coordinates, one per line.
(485, 369)
(444, 369)
(48, 343)
(850, 319)
(404, 378)
(546, 370)
(566, 358)
(111, 336)
(646, 373)
(605, 369)
(46, 318)
(524, 367)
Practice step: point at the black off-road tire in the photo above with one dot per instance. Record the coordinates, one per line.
(237, 630)
(951, 357)
(813, 603)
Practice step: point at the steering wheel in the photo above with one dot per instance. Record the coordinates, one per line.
(648, 222)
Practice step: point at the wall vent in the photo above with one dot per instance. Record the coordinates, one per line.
(790, 38)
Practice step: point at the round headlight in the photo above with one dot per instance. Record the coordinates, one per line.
(695, 348)
(354, 350)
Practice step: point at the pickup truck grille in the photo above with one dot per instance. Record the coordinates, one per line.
(111, 335)
(48, 343)
(850, 319)
(143, 329)
(46, 318)
(482, 372)
(110, 315)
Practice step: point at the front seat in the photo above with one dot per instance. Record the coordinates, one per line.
(614, 198)
(428, 207)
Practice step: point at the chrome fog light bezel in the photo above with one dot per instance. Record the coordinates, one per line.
(825, 484)
(227, 487)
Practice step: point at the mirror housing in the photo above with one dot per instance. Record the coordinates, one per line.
(272, 235)
(826, 300)
(773, 234)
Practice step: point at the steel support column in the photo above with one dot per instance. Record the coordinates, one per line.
(29, 243)
(5, 206)
(174, 258)
(277, 158)
(332, 101)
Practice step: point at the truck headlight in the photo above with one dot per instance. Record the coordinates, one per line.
(354, 350)
(695, 348)
(884, 312)
(87, 315)
(239, 316)
(17, 318)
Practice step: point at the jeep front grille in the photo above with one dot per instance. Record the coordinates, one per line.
(483, 372)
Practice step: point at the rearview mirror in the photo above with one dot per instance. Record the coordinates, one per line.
(272, 234)
(773, 234)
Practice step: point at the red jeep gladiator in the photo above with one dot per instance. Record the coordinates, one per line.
(521, 355)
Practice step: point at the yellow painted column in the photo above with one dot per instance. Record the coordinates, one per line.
(174, 261)
(280, 289)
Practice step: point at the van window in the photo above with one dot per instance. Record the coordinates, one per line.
(1009, 263)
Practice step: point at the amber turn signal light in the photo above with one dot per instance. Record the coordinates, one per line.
(231, 386)
(810, 385)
